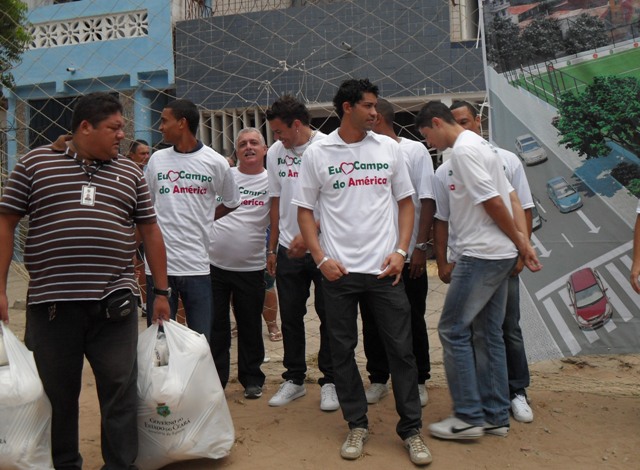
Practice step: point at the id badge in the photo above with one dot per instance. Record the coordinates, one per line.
(88, 195)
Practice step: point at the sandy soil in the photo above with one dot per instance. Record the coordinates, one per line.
(587, 416)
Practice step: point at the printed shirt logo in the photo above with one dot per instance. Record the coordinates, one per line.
(289, 160)
(346, 168)
(183, 182)
(163, 410)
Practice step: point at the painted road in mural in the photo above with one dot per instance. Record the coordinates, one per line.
(592, 236)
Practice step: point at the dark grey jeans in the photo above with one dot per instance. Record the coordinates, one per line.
(60, 336)
(390, 308)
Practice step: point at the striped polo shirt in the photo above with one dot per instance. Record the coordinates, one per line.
(77, 251)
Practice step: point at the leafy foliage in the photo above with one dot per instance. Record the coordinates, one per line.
(626, 172)
(634, 187)
(505, 48)
(14, 37)
(585, 33)
(608, 109)
(543, 38)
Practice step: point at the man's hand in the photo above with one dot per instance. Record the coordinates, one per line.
(271, 264)
(161, 309)
(392, 266)
(635, 274)
(297, 248)
(529, 256)
(519, 267)
(444, 272)
(418, 263)
(333, 270)
(60, 144)
(4, 308)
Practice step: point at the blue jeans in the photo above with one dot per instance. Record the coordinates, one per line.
(470, 331)
(390, 308)
(377, 364)
(517, 365)
(293, 281)
(195, 292)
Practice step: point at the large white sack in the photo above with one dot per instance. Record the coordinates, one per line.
(25, 410)
(182, 410)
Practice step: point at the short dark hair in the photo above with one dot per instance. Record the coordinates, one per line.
(94, 108)
(188, 110)
(385, 109)
(433, 109)
(465, 104)
(137, 143)
(351, 91)
(288, 109)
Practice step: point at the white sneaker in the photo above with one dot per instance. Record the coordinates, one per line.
(287, 392)
(494, 430)
(424, 395)
(455, 428)
(329, 398)
(376, 392)
(353, 446)
(418, 450)
(521, 410)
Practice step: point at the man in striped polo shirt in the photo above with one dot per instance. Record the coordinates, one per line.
(84, 204)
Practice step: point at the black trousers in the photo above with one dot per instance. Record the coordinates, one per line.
(377, 364)
(246, 291)
(61, 335)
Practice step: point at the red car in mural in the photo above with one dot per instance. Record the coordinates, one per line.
(589, 300)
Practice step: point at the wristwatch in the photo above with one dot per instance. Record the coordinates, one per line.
(422, 246)
(164, 292)
(400, 251)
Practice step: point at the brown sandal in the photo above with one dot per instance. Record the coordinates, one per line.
(273, 335)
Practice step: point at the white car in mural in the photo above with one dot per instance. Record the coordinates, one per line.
(530, 150)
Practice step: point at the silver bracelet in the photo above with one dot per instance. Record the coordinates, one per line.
(324, 260)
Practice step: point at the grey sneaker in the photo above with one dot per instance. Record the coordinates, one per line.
(418, 450)
(329, 398)
(424, 395)
(376, 392)
(287, 392)
(494, 430)
(352, 447)
(252, 392)
(521, 410)
(454, 428)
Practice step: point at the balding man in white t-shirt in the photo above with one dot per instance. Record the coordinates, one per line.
(238, 260)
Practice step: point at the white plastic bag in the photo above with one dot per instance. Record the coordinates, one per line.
(25, 410)
(182, 410)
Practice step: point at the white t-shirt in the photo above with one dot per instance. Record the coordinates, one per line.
(638, 208)
(420, 167)
(183, 189)
(477, 175)
(354, 187)
(238, 238)
(283, 167)
(515, 174)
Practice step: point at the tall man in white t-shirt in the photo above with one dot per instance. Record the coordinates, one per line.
(289, 120)
(420, 166)
(238, 261)
(467, 116)
(355, 177)
(490, 233)
(184, 181)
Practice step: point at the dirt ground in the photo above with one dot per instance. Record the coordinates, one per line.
(587, 416)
